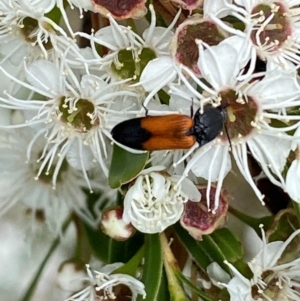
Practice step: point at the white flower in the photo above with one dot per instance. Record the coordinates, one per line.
(250, 108)
(272, 280)
(272, 29)
(155, 201)
(102, 285)
(27, 34)
(183, 49)
(129, 53)
(115, 38)
(19, 184)
(75, 116)
(25, 29)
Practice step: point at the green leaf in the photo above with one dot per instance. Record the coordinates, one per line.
(232, 249)
(229, 244)
(197, 252)
(214, 252)
(125, 166)
(163, 293)
(219, 246)
(131, 266)
(152, 272)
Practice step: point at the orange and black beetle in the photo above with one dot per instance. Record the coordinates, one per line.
(173, 131)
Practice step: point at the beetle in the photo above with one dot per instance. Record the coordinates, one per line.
(173, 131)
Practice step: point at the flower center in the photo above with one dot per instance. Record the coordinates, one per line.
(241, 113)
(117, 292)
(80, 113)
(129, 67)
(186, 51)
(269, 289)
(120, 9)
(273, 27)
(29, 30)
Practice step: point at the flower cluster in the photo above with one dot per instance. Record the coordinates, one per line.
(122, 119)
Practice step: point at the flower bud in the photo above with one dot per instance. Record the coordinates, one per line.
(184, 45)
(128, 9)
(114, 226)
(198, 220)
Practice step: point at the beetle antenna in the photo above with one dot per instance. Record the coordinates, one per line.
(146, 110)
(192, 108)
(223, 107)
(227, 134)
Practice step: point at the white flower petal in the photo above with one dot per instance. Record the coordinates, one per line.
(209, 163)
(153, 203)
(80, 159)
(239, 290)
(271, 151)
(216, 8)
(217, 274)
(189, 188)
(44, 75)
(42, 6)
(91, 85)
(218, 64)
(292, 181)
(156, 37)
(265, 258)
(278, 86)
(156, 72)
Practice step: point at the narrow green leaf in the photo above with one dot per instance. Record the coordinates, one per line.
(243, 268)
(213, 247)
(163, 293)
(229, 244)
(125, 166)
(152, 271)
(232, 250)
(197, 252)
(131, 266)
(214, 252)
